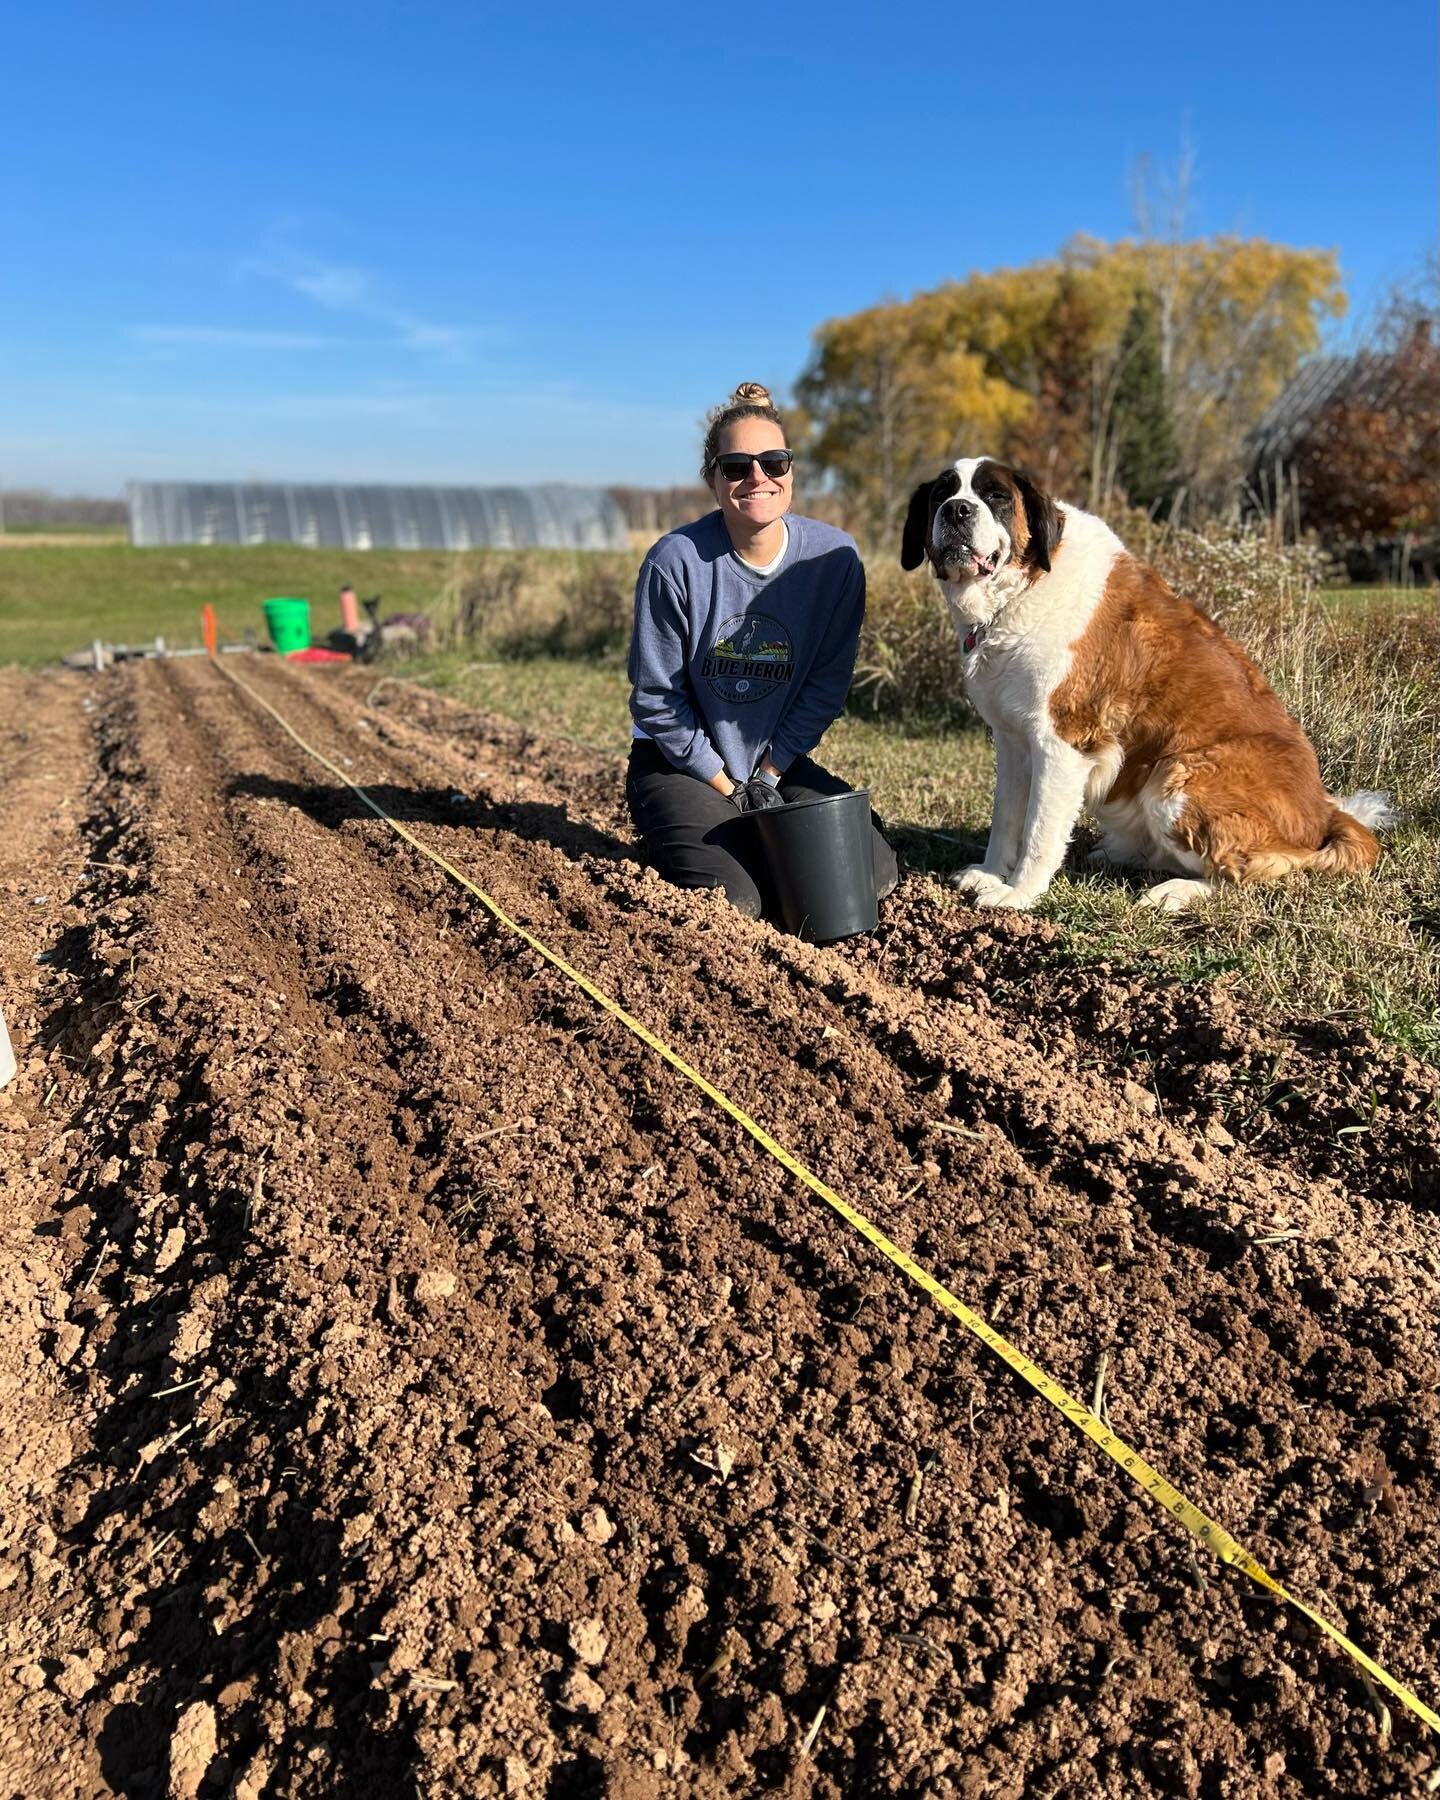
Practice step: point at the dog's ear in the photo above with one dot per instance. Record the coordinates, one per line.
(1042, 521)
(917, 526)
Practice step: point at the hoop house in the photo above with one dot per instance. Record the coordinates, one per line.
(550, 517)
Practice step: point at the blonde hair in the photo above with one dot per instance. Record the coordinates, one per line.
(749, 401)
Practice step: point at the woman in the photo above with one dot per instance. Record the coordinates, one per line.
(746, 626)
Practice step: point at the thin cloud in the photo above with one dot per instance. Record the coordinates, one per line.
(339, 288)
(447, 340)
(224, 337)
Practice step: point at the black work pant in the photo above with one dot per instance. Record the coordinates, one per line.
(695, 838)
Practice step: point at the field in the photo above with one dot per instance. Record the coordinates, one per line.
(54, 599)
(415, 1387)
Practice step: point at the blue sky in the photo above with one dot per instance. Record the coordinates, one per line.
(514, 243)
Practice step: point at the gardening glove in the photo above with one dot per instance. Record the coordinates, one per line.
(760, 793)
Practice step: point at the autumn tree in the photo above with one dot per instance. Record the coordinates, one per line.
(1368, 463)
(888, 391)
(1027, 363)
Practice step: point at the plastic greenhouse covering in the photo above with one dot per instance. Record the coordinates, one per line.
(551, 517)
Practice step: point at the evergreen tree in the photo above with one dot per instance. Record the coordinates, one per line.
(1147, 455)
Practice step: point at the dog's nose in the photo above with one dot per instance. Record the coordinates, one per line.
(965, 508)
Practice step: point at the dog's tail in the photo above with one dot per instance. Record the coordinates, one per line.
(1373, 810)
(1350, 843)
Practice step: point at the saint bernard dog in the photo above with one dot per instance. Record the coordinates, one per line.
(1104, 690)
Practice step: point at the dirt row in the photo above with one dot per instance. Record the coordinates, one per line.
(413, 1387)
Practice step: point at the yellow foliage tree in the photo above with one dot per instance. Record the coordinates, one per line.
(984, 366)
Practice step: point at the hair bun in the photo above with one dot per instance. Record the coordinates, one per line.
(749, 401)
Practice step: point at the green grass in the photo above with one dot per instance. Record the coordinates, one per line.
(57, 598)
(585, 701)
(70, 528)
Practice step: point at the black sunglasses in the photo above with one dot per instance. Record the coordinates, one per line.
(735, 465)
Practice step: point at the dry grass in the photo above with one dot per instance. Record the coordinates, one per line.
(538, 602)
(37, 539)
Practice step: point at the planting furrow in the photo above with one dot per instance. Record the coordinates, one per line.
(471, 1408)
(1324, 1097)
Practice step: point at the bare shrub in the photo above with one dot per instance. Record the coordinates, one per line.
(597, 605)
(908, 664)
(481, 598)
(582, 610)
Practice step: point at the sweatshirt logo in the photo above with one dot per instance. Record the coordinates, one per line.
(750, 658)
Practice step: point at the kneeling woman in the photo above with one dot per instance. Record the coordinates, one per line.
(746, 627)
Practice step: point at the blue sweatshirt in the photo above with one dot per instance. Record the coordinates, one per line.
(727, 663)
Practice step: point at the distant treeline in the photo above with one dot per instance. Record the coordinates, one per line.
(651, 512)
(37, 506)
(658, 510)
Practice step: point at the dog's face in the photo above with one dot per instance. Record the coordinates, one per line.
(977, 516)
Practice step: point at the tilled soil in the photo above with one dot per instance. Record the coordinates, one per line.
(414, 1387)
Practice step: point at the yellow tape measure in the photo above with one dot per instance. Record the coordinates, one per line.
(1199, 1524)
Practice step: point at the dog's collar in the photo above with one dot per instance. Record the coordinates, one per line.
(974, 636)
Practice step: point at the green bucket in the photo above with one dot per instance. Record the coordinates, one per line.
(288, 622)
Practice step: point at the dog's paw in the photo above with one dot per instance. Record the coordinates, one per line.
(977, 879)
(1002, 895)
(1175, 896)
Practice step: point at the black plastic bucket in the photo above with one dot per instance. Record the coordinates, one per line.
(820, 860)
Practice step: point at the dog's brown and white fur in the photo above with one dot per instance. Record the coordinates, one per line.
(1104, 690)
